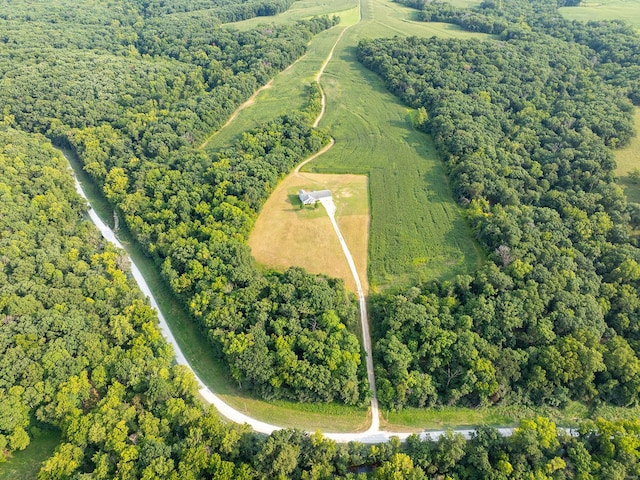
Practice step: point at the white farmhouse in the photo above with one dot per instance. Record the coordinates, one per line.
(310, 198)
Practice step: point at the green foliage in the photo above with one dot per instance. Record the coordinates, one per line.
(529, 155)
(80, 348)
(133, 118)
(224, 10)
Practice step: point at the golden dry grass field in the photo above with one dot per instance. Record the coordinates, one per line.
(286, 235)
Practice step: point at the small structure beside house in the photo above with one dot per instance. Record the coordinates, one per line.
(310, 198)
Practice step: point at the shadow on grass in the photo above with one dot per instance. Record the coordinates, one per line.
(294, 200)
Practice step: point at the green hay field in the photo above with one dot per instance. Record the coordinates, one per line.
(416, 231)
(628, 158)
(628, 10)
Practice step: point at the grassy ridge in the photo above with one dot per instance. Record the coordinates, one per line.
(627, 10)
(287, 91)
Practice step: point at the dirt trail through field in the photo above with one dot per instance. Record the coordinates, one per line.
(248, 101)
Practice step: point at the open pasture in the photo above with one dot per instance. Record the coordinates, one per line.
(287, 91)
(286, 235)
(628, 159)
(627, 10)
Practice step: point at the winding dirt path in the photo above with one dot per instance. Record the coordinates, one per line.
(323, 100)
(324, 150)
(247, 102)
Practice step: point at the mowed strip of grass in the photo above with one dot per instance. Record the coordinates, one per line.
(25, 465)
(286, 235)
(627, 10)
(287, 92)
(301, 9)
(421, 419)
(627, 159)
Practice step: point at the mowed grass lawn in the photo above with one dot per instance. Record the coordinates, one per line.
(286, 235)
(628, 10)
(627, 159)
(421, 419)
(25, 465)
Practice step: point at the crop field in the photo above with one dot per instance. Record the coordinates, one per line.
(628, 158)
(287, 235)
(416, 231)
(628, 10)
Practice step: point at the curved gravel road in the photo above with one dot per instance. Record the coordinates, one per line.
(372, 435)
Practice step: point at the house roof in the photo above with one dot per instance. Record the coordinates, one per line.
(311, 197)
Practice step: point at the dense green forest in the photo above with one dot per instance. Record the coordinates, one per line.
(526, 125)
(81, 353)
